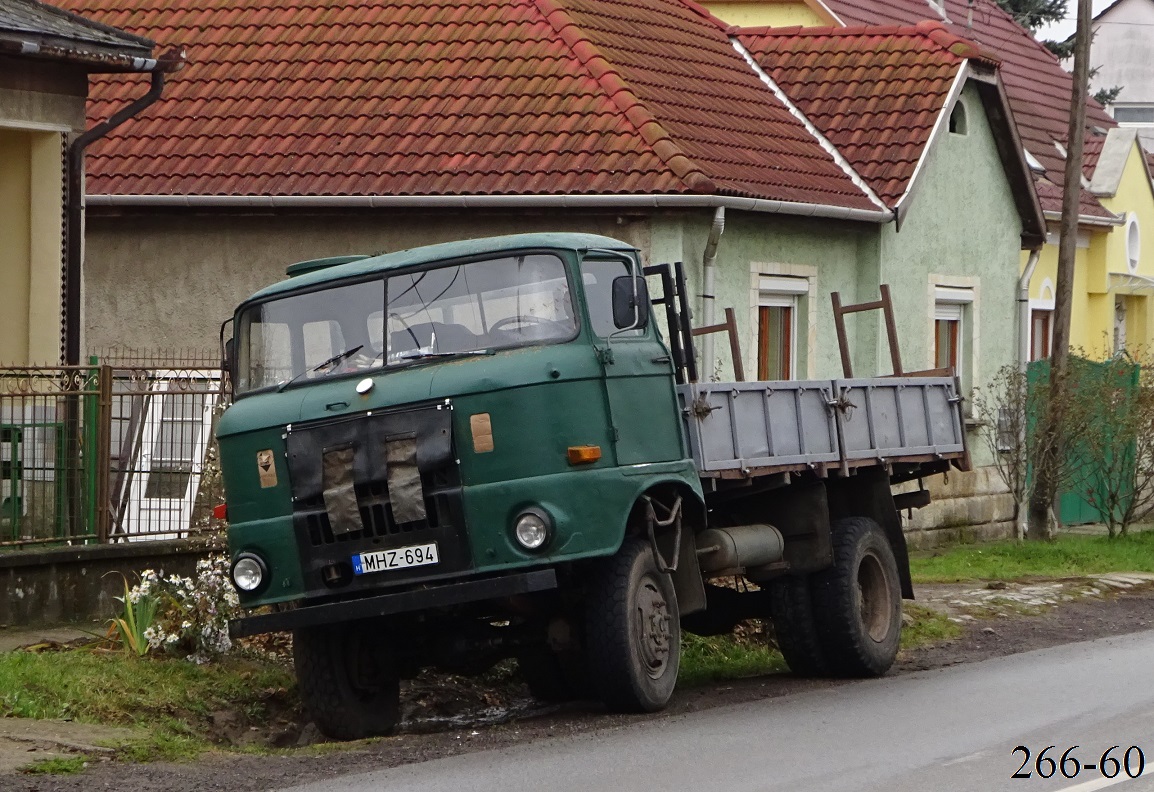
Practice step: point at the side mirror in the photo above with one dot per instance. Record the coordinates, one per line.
(630, 303)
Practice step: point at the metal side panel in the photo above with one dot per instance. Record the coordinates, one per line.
(742, 425)
(894, 417)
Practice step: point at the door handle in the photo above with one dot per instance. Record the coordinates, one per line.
(663, 359)
(334, 406)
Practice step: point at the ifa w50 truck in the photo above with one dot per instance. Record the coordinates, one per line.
(456, 454)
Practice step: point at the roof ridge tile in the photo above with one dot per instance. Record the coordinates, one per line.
(620, 94)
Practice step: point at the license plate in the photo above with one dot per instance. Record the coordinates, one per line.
(400, 558)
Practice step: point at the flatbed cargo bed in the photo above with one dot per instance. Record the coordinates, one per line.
(747, 429)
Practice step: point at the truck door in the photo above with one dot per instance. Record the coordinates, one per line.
(638, 375)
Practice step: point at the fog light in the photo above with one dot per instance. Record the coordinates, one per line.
(532, 529)
(248, 573)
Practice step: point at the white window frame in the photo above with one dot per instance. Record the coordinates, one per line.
(1133, 243)
(147, 518)
(1045, 302)
(774, 298)
(775, 284)
(964, 295)
(1132, 106)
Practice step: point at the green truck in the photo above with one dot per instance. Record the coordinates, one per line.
(457, 454)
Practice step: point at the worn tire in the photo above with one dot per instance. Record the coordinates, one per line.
(791, 608)
(348, 683)
(632, 631)
(857, 602)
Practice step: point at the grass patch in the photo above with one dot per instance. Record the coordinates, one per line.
(715, 658)
(59, 765)
(1067, 556)
(176, 704)
(748, 652)
(926, 626)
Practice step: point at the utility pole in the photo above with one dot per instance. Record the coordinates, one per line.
(1043, 499)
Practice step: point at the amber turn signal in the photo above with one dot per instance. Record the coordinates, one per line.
(583, 455)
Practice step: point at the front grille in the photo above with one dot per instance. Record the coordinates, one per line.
(377, 514)
(323, 549)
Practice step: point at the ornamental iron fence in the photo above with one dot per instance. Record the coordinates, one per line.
(119, 450)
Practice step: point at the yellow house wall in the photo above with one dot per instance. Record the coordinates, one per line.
(31, 239)
(1091, 320)
(1134, 198)
(766, 13)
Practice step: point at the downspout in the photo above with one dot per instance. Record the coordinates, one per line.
(708, 276)
(1024, 309)
(74, 212)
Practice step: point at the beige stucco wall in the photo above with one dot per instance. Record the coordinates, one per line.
(168, 281)
(41, 105)
(31, 200)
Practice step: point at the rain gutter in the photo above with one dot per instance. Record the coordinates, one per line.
(74, 212)
(1024, 309)
(1091, 220)
(708, 278)
(611, 201)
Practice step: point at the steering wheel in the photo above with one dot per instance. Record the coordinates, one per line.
(501, 324)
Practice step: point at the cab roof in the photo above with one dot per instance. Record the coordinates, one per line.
(447, 250)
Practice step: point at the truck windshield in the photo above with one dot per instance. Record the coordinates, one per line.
(448, 311)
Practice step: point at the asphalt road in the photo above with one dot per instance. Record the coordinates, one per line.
(951, 729)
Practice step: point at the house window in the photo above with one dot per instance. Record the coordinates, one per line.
(1041, 333)
(1135, 114)
(779, 304)
(958, 118)
(951, 305)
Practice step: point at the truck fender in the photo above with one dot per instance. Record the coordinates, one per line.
(669, 516)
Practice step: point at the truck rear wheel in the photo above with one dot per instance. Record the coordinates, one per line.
(857, 602)
(632, 631)
(791, 607)
(347, 680)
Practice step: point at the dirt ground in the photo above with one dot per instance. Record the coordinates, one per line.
(471, 728)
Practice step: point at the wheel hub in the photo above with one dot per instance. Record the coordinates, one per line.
(653, 624)
(875, 599)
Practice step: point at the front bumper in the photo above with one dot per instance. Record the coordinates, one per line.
(398, 602)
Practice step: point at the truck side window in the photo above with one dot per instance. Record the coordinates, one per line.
(598, 275)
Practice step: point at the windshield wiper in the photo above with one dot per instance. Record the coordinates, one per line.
(417, 354)
(334, 360)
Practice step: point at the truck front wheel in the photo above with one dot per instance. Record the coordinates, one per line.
(347, 680)
(632, 631)
(857, 602)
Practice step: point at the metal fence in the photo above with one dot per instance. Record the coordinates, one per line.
(119, 450)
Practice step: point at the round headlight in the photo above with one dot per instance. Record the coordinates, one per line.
(531, 530)
(248, 573)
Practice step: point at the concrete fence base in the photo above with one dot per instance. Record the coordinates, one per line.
(80, 584)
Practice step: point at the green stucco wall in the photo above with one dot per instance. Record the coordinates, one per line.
(963, 227)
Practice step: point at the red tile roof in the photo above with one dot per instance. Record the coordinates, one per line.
(1091, 150)
(444, 97)
(875, 92)
(1037, 85)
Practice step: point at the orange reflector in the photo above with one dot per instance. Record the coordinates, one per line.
(583, 455)
(220, 511)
